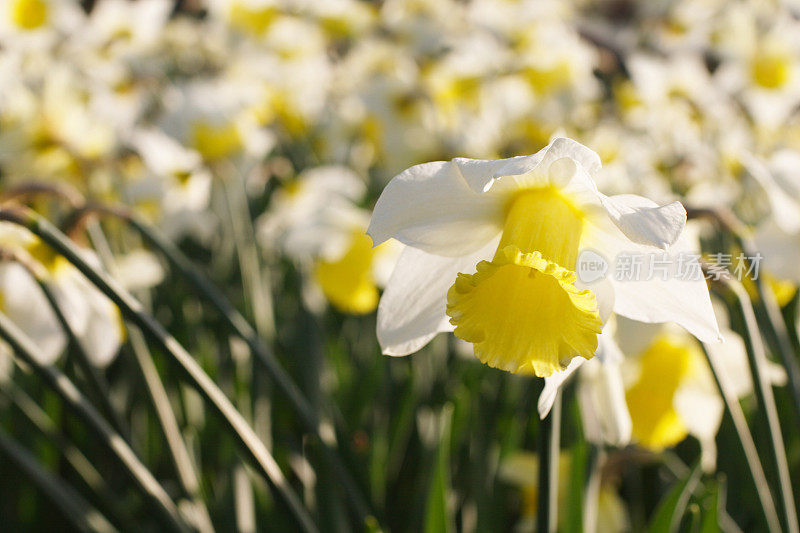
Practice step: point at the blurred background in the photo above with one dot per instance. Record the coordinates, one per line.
(256, 136)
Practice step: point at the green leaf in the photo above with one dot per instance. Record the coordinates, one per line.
(573, 520)
(710, 522)
(670, 511)
(437, 517)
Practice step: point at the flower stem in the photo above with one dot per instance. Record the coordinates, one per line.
(80, 405)
(549, 448)
(192, 371)
(763, 389)
(746, 439)
(263, 355)
(82, 515)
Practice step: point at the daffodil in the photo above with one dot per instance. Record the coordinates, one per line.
(168, 183)
(94, 319)
(492, 250)
(315, 221)
(662, 390)
(777, 235)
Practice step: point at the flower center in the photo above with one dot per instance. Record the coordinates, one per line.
(215, 141)
(29, 14)
(771, 70)
(521, 310)
(663, 367)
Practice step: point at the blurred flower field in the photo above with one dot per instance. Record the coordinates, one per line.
(236, 235)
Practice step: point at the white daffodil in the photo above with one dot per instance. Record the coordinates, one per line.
(492, 251)
(94, 319)
(211, 116)
(23, 302)
(315, 221)
(761, 67)
(669, 390)
(778, 234)
(170, 184)
(33, 24)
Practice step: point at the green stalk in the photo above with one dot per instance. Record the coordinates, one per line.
(82, 515)
(76, 459)
(157, 393)
(97, 385)
(179, 453)
(746, 439)
(80, 405)
(549, 448)
(264, 356)
(774, 324)
(763, 389)
(133, 310)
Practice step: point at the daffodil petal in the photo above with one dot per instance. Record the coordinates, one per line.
(645, 222)
(412, 308)
(674, 299)
(701, 412)
(23, 302)
(602, 396)
(431, 207)
(781, 250)
(553, 383)
(785, 209)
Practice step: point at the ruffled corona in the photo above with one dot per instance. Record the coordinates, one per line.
(522, 311)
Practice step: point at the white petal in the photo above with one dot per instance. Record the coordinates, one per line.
(685, 301)
(25, 304)
(785, 209)
(604, 293)
(412, 309)
(732, 355)
(780, 250)
(553, 383)
(645, 222)
(431, 207)
(563, 147)
(701, 411)
(480, 174)
(602, 396)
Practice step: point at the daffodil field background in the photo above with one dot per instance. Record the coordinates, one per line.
(189, 298)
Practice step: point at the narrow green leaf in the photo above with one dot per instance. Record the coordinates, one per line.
(667, 516)
(437, 517)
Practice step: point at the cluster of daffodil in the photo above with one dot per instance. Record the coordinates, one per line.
(551, 127)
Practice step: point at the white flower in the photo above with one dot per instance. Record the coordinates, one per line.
(316, 222)
(493, 245)
(662, 390)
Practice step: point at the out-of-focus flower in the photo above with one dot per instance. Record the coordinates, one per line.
(665, 384)
(169, 183)
(211, 117)
(522, 470)
(519, 224)
(33, 23)
(315, 220)
(95, 320)
(763, 67)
